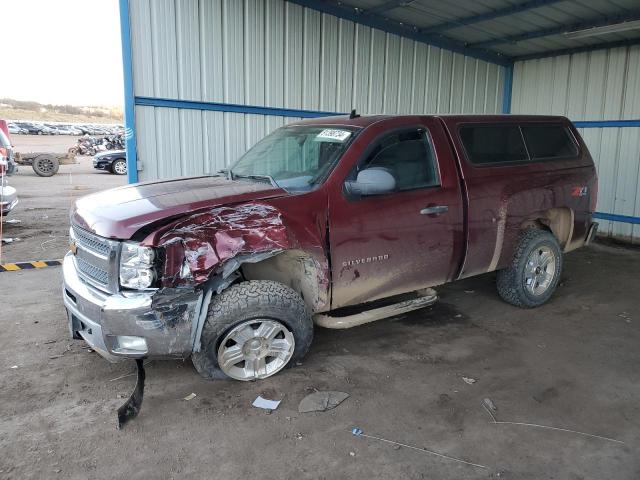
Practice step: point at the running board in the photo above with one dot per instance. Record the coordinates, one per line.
(426, 297)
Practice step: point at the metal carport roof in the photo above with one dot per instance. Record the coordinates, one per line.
(499, 31)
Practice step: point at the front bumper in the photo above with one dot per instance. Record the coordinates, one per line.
(101, 164)
(9, 199)
(166, 319)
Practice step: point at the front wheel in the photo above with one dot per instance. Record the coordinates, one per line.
(534, 272)
(119, 167)
(252, 331)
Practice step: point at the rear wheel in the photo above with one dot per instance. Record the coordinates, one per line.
(253, 330)
(534, 272)
(119, 167)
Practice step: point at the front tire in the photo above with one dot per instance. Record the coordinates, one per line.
(119, 167)
(534, 272)
(252, 331)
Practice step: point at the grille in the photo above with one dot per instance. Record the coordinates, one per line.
(96, 259)
(92, 242)
(96, 273)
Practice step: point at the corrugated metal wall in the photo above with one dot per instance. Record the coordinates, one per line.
(277, 54)
(599, 85)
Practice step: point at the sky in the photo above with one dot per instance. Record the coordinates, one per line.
(61, 52)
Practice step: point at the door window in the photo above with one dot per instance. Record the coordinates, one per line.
(409, 156)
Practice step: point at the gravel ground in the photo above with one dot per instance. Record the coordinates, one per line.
(571, 364)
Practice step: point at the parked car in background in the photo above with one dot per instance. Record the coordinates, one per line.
(49, 128)
(63, 130)
(31, 128)
(6, 148)
(367, 213)
(15, 130)
(114, 161)
(8, 194)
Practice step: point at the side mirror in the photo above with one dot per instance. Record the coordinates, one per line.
(371, 181)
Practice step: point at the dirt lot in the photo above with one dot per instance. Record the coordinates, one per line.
(571, 364)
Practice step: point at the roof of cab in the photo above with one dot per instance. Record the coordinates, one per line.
(364, 121)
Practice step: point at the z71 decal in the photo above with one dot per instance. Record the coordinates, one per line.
(579, 191)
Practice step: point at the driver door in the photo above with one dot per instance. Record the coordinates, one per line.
(405, 240)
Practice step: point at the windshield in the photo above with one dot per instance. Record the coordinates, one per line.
(295, 158)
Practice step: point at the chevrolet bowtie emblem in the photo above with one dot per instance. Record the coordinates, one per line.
(73, 247)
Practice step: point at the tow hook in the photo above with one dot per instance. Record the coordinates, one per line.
(130, 409)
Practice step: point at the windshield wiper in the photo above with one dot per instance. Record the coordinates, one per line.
(260, 178)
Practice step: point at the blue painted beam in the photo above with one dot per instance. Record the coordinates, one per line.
(483, 17)
(586, 48)
(298, 113)
(408, 31)
(607, 123)
(507, 89)
(232, 107)
(629, 16)
(129, 102)
(617, 218)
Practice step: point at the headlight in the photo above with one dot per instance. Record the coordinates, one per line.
(136, 266)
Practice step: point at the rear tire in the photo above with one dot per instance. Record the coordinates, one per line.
(534, 272)
(233, 330)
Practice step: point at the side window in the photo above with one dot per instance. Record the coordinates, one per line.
(493, 143)
(548, 141)
(409, 156)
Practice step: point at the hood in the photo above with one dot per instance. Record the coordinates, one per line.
(118, 153)
(121, 212)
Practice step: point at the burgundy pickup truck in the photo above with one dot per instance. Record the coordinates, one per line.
(335, 221)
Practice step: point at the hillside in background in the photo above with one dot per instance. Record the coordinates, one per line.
(11, 109)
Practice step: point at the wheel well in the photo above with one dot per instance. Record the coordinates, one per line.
(558, 221)
(296, 269)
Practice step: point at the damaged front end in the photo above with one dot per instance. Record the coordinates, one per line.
(150, 299)
(200, 255)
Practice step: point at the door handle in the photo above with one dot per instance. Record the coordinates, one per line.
(435, 210)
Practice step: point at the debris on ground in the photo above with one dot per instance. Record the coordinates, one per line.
(321, 401)
(265, 403)
(490, 405)
(48, 342)
(546, 427)
(469, 380)
(625, 316)
(10, 240)
(130, 409)
(13, 221)
(15, 366)
(358, 432)
(191, 396)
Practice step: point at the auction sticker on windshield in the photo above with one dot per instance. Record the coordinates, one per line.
(333, 135)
